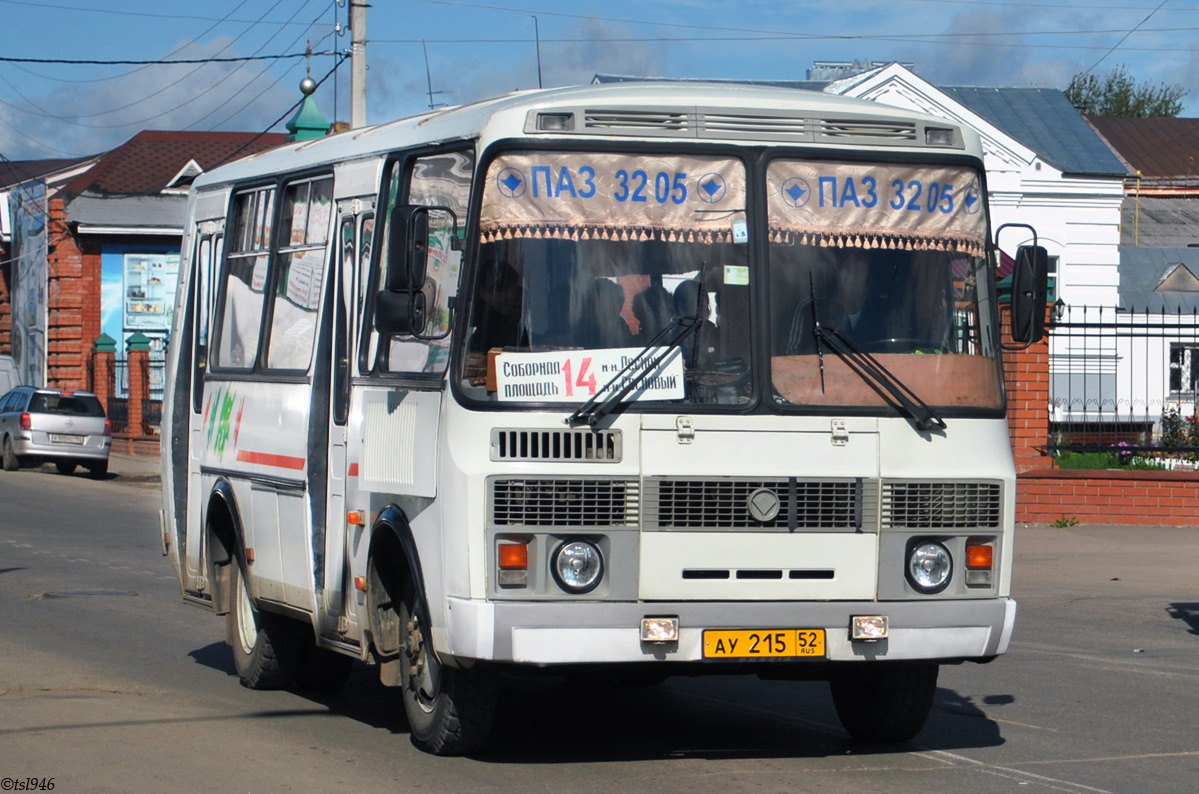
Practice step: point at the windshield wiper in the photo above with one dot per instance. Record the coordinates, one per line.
(875, 372)
(592, 411)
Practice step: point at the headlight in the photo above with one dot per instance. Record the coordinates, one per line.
(929, 567)
(578, 566)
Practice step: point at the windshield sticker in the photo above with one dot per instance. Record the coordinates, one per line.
(876, 206)
(584, 196)
(579, 375)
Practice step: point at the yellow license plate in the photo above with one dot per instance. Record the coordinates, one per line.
(763, 643)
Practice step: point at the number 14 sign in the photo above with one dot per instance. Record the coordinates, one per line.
(579, 375)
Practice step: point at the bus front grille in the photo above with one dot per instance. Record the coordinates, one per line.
(781, 504)
(563, 502)
(936, 505)
(556, 445)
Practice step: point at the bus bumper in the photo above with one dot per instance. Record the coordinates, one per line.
(572, 633)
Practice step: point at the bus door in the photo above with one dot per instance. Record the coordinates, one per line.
(210, 240)
(355, 232)
(395, 405)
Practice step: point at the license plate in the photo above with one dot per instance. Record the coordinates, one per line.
(763, 643)
(59, 438)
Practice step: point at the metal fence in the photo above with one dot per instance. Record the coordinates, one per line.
(1124, 381)
(117, 375)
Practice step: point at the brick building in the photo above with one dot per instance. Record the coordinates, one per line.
(111, 233)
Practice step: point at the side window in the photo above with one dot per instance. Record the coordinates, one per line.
(440, 180)
(300, 262)
(244, 279)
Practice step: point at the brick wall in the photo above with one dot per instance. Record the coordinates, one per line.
(1045, 494)
(73, 294)
(5, 303)
(1157, 498)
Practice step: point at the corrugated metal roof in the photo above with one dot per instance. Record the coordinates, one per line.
(145, 163)
(1160, 147)
(1143, 269)
(1159, 222)
(1044, 121)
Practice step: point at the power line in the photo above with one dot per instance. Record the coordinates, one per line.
(1126, 35)
(92, 10)
(159, 62)
(286, 113)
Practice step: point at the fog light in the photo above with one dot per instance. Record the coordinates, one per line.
(578, 566)
(929, 567)
(659, 629)
(868, 627)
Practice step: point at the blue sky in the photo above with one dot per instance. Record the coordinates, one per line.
(478, 49)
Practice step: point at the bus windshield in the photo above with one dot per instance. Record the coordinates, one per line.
(887, 262)
(587, 258)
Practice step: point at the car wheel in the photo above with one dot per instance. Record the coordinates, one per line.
(11, 461)
(65, 467)
(96, 470)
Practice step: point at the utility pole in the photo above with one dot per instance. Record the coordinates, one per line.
(357, 63)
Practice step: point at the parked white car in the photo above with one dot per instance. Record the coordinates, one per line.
(67, 428)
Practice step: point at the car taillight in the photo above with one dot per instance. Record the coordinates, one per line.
(26, 422)
(107, 427)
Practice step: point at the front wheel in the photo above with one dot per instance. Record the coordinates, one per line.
(450, 710)
(266, 649)
(884, 701)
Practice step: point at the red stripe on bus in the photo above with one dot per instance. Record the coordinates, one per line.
(266, 459)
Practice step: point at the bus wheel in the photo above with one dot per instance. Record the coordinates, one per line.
(450, 710)
(884, 701)
(266, 650)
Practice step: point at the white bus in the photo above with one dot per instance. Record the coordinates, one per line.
(668, 378)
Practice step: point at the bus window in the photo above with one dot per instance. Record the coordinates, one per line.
(307, 207)
(441, 180)
(245, 280)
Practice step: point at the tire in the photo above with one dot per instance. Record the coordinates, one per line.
(65, 467)
(97, 470)
(450, 710)
(11, 461)
(884, 701)
(267, 648)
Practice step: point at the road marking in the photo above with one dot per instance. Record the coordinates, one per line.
(1017, 774)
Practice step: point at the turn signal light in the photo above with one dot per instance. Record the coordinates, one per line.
(514, 556)
(978, 557)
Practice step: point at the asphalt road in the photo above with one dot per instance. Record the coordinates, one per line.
(109, 684)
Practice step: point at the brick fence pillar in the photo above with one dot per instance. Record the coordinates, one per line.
(104, 354)
(138, 362)
(1026, 376)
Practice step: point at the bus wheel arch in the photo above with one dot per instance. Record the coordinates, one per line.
(450, 710)
(223, 539)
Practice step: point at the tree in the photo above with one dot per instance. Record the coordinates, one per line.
(1118, 95)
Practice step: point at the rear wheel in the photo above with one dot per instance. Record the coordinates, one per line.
(884, 701)
(11, 461)
(266, 648)
(65, 467)
(450, 710)
(98, 470)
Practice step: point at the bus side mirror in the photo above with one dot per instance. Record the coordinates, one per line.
(407, 249)
(399, 312)
(1030, 284)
